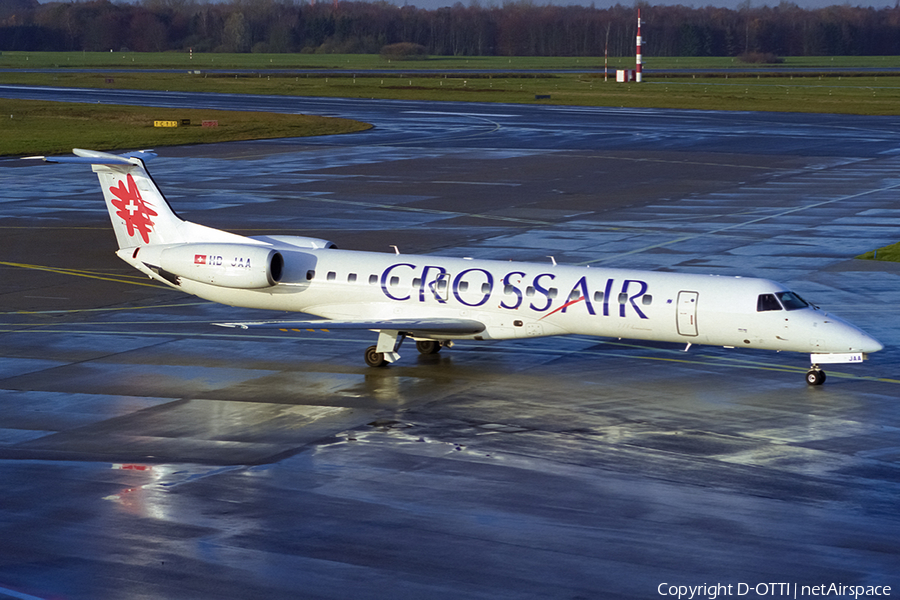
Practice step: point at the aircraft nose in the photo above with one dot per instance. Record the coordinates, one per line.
(863, 342)
(870, 344)
(856, 339)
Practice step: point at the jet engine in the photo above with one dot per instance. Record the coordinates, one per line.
(241, 266)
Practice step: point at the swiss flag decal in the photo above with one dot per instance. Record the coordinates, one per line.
(199, 259)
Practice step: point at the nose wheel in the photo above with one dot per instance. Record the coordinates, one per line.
(815, 376)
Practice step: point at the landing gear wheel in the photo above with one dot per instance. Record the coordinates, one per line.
(375, 358)
(815, 377)
(428, 347)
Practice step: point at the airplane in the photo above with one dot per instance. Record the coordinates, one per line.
(435, 300)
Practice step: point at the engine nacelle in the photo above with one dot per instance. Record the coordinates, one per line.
(298, 241)
(241, 266)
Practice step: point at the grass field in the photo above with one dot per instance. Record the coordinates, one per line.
(888, 253)
(31, 127)
(839, 94)
(184, 60)
(332, 75)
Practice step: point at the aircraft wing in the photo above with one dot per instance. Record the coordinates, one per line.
(425, 327)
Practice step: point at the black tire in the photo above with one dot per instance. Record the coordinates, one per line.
(428, 347)
(815, 377)
(375, 358)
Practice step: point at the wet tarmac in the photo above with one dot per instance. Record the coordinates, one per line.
(146, 454)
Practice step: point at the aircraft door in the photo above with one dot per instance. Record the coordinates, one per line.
(687, 313)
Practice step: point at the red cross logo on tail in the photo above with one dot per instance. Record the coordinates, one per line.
(132, 209)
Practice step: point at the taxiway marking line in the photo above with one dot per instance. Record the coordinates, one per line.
(45, 227)
(432, 211)
(691, 162)
(702, 360)
(789, 211)
(79, 273)
(453, 214)
(14, 594)
(107, 309)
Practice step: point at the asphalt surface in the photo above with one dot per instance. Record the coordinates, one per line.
(145, 454)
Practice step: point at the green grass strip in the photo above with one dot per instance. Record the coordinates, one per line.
(864, 95)
(888, 253)
(35, 127)
(349, 62)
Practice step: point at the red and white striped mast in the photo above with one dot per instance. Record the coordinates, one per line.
(637, 67)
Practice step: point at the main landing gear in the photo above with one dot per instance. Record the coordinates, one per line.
(374, 358)
(815, 375)
(429, 346)
(388, 346)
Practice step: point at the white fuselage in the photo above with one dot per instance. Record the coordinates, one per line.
(519, 300)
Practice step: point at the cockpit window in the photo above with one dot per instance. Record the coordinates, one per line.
(792, 301)
(767, 302)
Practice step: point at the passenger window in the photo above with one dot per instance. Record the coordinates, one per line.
(551, 293)
(485, 288)
(373, 279)
(310, 274)
(395, 281)
(331, 275)
(351, 278)
(623, 298)
(647, 300)
(508, 289)
(598, 296)
(792, 301)
(575, 295)
(416, 282)
(463, 286)
(529, 291)
(767, 302)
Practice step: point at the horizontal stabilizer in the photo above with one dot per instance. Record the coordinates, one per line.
(410, 326)
(93, 157)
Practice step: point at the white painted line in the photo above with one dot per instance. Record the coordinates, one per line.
(15, 594)
(479, 183)
(458, 114)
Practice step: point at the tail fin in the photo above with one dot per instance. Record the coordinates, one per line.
(139, 212)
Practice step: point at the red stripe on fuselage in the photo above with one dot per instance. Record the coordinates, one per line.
(563, 307)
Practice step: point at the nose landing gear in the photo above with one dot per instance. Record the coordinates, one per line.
(815, 375)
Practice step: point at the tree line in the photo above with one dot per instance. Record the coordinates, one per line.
(515, 28)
